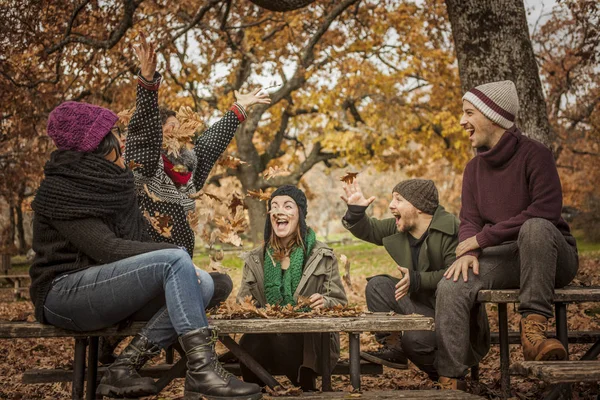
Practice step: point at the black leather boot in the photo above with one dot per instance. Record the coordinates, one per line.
(121, 378)
(206, 378)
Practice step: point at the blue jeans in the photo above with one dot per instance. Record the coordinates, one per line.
(161, 286)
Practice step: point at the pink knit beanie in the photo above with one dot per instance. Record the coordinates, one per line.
(79, 126)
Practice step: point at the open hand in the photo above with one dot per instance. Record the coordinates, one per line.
(316, 301)
(249, 99)
(403, 284)
(147, 57)
(354, 195)
(461, 266)
(467, 245)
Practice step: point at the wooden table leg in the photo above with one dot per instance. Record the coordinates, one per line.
(79, 368)
(250, 362)
(92, 369)
(504, 350)
(325, 365)
(355, 360)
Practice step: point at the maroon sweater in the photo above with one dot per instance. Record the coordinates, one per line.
(505, 186)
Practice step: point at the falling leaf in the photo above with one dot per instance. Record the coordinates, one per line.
(125, 116)
(150, 194)
(203, 193)
(258, 194)
(275, 171)
(230, 162)
(346, 266)
(160, 223)
(236, 202)
(349, 177)
(132, 165)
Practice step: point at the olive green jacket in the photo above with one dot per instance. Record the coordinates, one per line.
(320, 275)
(437, 253)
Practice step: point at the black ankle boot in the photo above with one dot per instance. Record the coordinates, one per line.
(206, 378)
(121, 378)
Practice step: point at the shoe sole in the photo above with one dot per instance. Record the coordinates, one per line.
(200, 396)
(557, 353)
(375, 360)
(131, 392)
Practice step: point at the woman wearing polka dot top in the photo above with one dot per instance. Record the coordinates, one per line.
(170, 179)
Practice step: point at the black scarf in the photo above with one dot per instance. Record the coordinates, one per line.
(83, 185)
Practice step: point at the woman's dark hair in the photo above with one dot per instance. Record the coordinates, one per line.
(108, 144)
(165, 113)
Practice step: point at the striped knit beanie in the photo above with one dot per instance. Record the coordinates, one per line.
(498, 101)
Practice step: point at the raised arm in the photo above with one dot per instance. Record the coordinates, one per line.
(144, 138)
(213, 142)
(93, 238)
(356, 221)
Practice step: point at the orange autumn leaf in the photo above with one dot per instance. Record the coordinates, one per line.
(349, 177)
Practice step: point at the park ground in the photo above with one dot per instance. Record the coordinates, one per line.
(17, 356)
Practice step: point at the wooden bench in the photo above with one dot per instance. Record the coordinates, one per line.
(17, 282)
(554, 372)
(569, 294)
(385, 395)
(353, 326)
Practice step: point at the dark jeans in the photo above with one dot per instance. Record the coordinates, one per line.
(223, 285)
(279, 354)
(418, 346)
(540, 260)
(104, 295)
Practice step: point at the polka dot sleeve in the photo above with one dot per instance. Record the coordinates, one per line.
(144, 137)
(211, 144)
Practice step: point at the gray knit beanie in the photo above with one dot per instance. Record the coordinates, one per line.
(421, 193)
(498, 101)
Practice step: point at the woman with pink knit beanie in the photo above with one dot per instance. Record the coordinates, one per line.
(96, 266)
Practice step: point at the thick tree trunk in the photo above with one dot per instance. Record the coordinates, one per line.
(248, 176)
(492, 43)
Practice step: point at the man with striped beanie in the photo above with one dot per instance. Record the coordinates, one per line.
(511, 236)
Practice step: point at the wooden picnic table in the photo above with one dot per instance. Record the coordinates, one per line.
(353, 326)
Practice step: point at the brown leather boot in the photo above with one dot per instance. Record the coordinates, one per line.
(452, 384)
(536, 347)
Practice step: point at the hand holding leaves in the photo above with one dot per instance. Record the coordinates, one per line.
(147, 57)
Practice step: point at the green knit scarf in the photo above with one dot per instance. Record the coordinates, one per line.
(280, 285)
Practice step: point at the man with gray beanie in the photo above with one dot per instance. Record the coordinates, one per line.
(421, 238)
(511, 235)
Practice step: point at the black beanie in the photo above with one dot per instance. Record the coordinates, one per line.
(299, 198)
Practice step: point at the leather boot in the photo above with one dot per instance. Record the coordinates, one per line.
(106, 348)
(452, 384)
(206, 378)
(536, 347)
(121, 378)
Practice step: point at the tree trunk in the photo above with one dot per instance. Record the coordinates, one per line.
(492, 43)
(248, 176)
(11, 218)
(20, 228)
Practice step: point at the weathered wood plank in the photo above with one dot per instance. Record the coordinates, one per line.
(569, 294)
(157, 371)
(15, 277)
(383, 323)
(383, 395)
(554, 372)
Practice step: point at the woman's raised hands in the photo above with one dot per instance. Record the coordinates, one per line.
(147, 57)
(249, 99)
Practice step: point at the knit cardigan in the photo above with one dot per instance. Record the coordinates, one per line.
(156, 191)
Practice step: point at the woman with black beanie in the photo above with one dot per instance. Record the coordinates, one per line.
(96, 266)
(291, 264)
